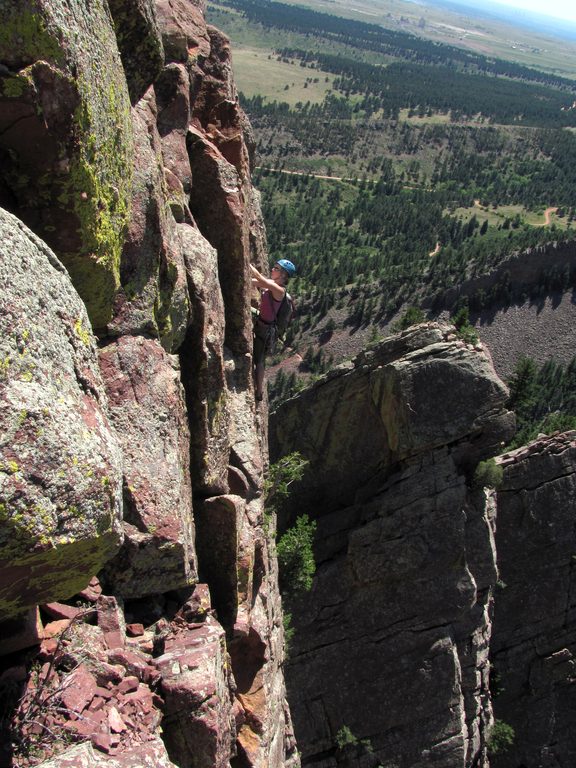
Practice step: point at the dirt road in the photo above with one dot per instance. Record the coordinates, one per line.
(547, 213)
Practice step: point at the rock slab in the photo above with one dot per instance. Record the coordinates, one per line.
(60, 459)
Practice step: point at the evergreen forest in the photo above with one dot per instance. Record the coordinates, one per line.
(421, 165)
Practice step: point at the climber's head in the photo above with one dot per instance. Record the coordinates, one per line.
(286, 268)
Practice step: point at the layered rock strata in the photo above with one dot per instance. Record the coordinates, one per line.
(533, 645)
(137, 453)
(391, 645)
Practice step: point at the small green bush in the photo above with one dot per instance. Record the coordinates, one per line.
(412, 316)
(282, 474)
(501, 738)
(461, 322)
(345, 738)
(488, 474)
(296, 558)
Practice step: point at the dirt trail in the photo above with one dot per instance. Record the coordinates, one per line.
(303, 173)
(547, 213)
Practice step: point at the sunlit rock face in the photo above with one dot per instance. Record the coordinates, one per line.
(123, 147)
(61, 462)
(66, 138)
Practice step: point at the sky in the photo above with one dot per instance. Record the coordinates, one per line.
(560, 9)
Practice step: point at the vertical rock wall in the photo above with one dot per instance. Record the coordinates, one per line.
(392, 641)
(534, 634)
(122, 146)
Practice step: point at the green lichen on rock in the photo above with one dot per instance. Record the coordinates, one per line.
(82, 332)
(72, 78)
(99, 184)
(171, 306)
(14, 86)
(139, 41)
(68, 566)
(26, 34)
(24, 529)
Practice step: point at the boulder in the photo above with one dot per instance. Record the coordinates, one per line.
(66, 137)
(148, 411)
(60, 463)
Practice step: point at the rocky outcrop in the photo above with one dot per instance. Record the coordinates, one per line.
(122, 146)
(534, 633)
(66, 147)
(148, 412)
(392, 642)
(61, 463)
(139, 606)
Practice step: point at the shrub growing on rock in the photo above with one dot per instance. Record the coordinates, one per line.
(296, 558)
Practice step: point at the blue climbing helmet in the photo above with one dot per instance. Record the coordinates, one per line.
(287, 266)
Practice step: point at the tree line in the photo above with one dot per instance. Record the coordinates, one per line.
(403, 84)
(543, 398)
(368, 248)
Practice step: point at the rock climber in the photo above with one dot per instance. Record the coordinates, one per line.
(272, 290)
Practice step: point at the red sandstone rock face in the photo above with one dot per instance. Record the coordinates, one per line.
(148, 411)
(203, 366)
(153, 651)
(153, 298)
(183, 30)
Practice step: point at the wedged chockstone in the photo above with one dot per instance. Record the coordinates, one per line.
(139, 41)
(148, 411)
(533, 647)
(219, 526)
(60, 464)
(392, 641)
(66, 137)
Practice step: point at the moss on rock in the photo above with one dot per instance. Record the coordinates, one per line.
(78, 192)
(27, 35)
